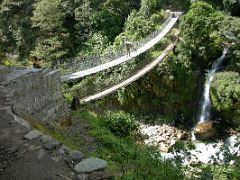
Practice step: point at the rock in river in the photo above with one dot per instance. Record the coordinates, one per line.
(204, 130)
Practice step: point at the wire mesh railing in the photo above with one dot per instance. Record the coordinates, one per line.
(82, 63)
(93, 85)
(103, 86)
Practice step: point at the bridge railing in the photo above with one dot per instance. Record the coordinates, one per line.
(91, 89)
(82, 63)
(92, 86)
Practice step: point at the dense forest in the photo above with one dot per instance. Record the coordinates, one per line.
(56, 31)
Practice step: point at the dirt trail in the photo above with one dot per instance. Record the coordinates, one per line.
(21, 159)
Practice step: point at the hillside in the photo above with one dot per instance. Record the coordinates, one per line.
(192, 93)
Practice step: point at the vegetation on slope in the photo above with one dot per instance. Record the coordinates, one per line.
(54, 31)
(132, 159)
(226, 97)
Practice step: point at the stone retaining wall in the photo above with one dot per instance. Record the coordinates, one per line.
(33, 93)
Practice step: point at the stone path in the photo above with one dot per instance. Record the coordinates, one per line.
(29, 154)
(89, 165)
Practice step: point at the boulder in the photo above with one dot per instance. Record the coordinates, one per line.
(64, 150)
(90, 165)
(204, 130)
(52, 144)
(33, 134)
(164, 149)
(76, 155)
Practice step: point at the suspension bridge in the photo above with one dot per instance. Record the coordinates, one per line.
(168, 25)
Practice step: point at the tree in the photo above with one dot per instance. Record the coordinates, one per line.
(16, 35)
(84, 18)
(229, 29)
(122, 7)
(108, 23)
(199, 32)
(52, 37)
(225, 95)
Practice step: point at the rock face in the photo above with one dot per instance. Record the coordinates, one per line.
(89, 165)
(33, 94)
(204, 130)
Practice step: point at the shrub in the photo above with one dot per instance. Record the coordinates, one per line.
(119, 123)
(225, 96)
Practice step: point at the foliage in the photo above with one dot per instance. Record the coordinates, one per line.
(108, 23)
(199, 32)
(219, 172)
(160, 90)
(54, 30)
(225, 94)
(16, 35)
(53, 131)
(84, 18)
(48, 18)
(149, 118)
(230, 30)
(119, 123)
(135, 161)
(163, 90)
(232, 6)
(137, 26)
(96, 44)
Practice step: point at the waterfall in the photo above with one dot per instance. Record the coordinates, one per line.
(205, 113)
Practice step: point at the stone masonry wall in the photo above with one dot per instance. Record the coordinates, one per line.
(35, 93)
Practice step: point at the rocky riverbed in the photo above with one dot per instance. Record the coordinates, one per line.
(165, 137)
(161, 136)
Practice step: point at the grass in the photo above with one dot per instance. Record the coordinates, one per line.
(56, 133)
(133, 160)
(126, 158)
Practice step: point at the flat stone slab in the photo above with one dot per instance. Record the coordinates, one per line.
(76, 155)
(33, 134)
(89, 165)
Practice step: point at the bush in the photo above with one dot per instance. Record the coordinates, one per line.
(225, 96)
(119, 123)
(134, 160)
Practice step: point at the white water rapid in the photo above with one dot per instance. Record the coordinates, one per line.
(217, 152)
(205, 112)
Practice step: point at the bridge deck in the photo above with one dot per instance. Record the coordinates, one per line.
(141, 73)
(124, 58)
